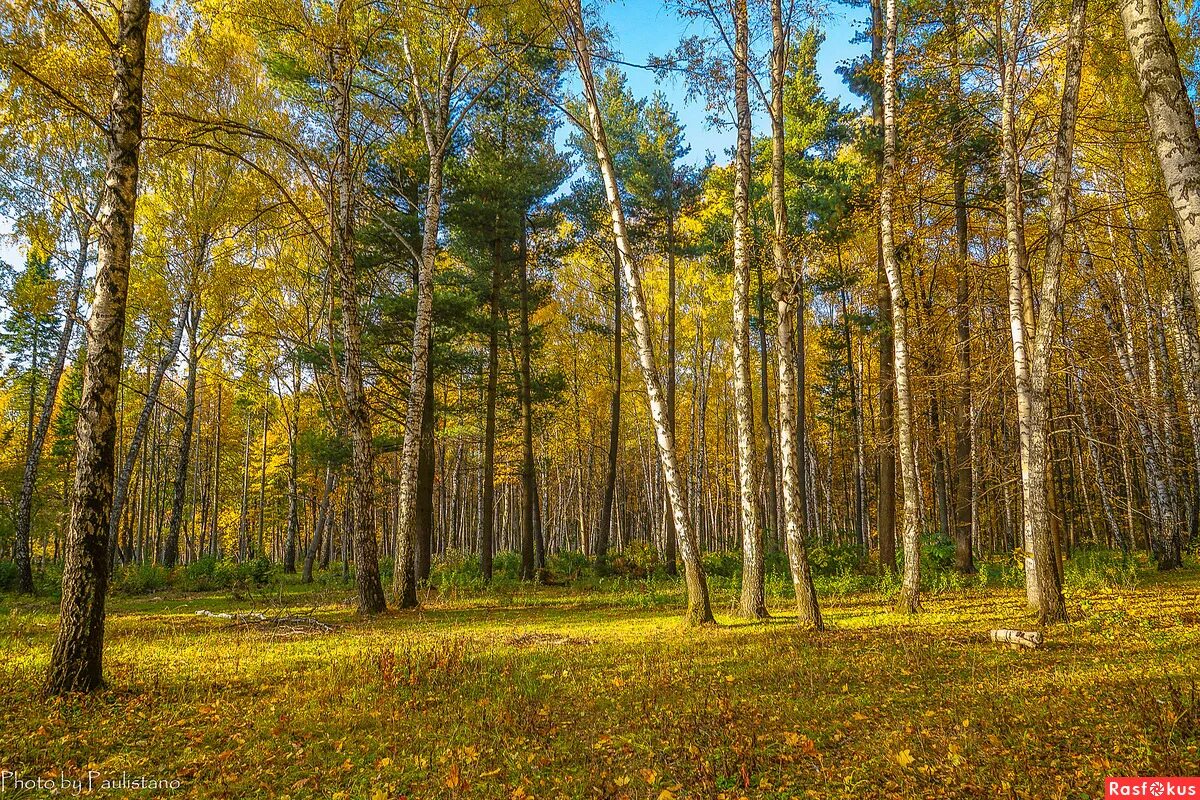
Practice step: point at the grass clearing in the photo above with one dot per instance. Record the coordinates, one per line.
(549, 692)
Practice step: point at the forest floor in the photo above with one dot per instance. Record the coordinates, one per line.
(545, 692)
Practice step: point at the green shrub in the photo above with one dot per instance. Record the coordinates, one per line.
(937, 553)
(1095, 567)
(455, 570)
(723, 563)
(569, 564)
(637, 560)
(506, 566)
(259, 570)
(1000, 572)
(137, 579)
(8, 576)
(834, 560)
(776, 564)
(201, 576)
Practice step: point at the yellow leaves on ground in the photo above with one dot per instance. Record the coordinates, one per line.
(801, 742)
(903, 757)
(454, 778)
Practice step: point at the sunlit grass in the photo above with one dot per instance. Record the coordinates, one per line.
(567, 692)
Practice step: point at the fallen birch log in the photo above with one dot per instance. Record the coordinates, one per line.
(235, 617)
(1018, 639)
(288, 622)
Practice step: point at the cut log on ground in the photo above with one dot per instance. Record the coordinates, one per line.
(1018, 639)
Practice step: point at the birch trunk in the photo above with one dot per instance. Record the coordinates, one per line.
(752, 603)
(170, 555)
(789, 294)
(1164, 538)
(76, 663)
(1172, 119)
(143, 423)
(699, 611)
(435, 121)
(1020, 324)
(669, 554)
(293, 434)
(1119, 538)
(886, 502)
(1050, 602)
(910, 598)
(323, 522)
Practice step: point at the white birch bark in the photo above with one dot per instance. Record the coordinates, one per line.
(752, 603)
(791, 390)
(910, 600)
(699, 611)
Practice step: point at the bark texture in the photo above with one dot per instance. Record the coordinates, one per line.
(358, 414)
(910, 599)
(170, 554)
(752, 602)
(435, 118)
(76, 663)
(789, 295)
(1172, 119)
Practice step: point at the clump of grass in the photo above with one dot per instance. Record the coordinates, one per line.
(1095, 568)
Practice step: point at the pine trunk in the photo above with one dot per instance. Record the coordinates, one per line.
(528, 469)
(487, 508)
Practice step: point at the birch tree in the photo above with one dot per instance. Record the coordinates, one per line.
(752, 603)
(76, 663)
(789, 293)
(576, 37)
(911, 583)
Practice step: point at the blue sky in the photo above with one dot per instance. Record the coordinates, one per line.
(642, 28)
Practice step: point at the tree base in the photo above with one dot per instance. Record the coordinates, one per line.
(64, 681)
(909, 602)
(753, 612)
(698, 616)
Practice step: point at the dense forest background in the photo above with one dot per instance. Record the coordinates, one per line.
(376, 299)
